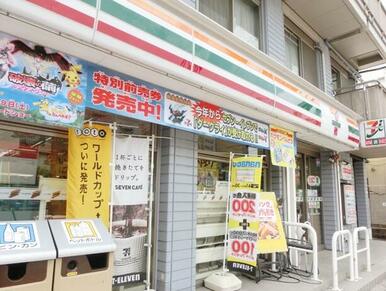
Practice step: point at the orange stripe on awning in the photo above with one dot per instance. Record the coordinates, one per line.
(211, 42)
(220, 47)
(286, 84)
(164, 16)
(353, 122)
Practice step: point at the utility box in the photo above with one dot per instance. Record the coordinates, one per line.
(85, 255)
(27, 256)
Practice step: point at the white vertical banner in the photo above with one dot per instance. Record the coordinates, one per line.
(130, 215)
(131, 173)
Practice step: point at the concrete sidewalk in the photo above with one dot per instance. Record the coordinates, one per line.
(368, 282)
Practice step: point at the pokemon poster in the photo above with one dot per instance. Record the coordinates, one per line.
(40, 85)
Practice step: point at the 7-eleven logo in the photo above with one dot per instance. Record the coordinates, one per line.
(336, 126)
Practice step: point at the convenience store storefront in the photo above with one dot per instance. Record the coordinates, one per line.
(261, 99)
(44, 168)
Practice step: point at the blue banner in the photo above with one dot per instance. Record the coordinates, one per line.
(117, 93)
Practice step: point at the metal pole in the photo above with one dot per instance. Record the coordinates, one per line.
(224, 268)
(150, 217)
(368, 259)
(350, 249)
(112, 183)
(335, 262)
(355, 249)
(340, 210)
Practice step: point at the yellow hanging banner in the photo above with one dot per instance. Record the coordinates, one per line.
(270, 233)
(88, 186)
(246, 173)
(242, 224)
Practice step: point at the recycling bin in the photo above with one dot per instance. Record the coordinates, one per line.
(85, 255)
(27, 256)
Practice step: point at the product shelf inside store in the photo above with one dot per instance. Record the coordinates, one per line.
(211, 212)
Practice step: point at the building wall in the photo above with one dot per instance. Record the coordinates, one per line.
(177, 212)
(362, 196)
(330, 208)
(273, 30)
(376, 171)
(346, 157)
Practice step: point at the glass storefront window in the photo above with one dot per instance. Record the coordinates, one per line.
(308, 192)
(24, 158)
(209, 172)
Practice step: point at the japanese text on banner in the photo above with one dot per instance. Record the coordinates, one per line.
(270, 233)
(242, 236)
(40, 85)
(131, 172)
(282, 147)
(246, 173)
(88, 188)
(243, 224)
(131, 189)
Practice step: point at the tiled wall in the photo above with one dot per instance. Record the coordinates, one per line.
(177, 212)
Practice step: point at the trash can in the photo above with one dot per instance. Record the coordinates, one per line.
(27, 256)
(85, 255)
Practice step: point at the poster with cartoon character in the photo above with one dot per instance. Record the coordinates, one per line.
(206, 118)
(40, 85)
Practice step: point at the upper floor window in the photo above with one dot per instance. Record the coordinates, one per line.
(340, 77)
(239, 16)
(335, 79)
(301, 56)
(292, 60)
(217, 10)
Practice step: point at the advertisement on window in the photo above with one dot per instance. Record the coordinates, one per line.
(346, 171)
(88, 187)
(129, 224)
(40, 85)
(350, 204)
(282, 147)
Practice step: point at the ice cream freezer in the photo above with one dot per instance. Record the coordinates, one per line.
(27, 256)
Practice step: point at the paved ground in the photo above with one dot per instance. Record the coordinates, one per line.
(379, 287)
(374, 281)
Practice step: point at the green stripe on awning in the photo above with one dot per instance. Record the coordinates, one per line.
(133, 18)
(228, 66)
(353, 130)
(336, 123)
(90, 2)
(294, 100)
(141, 22)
